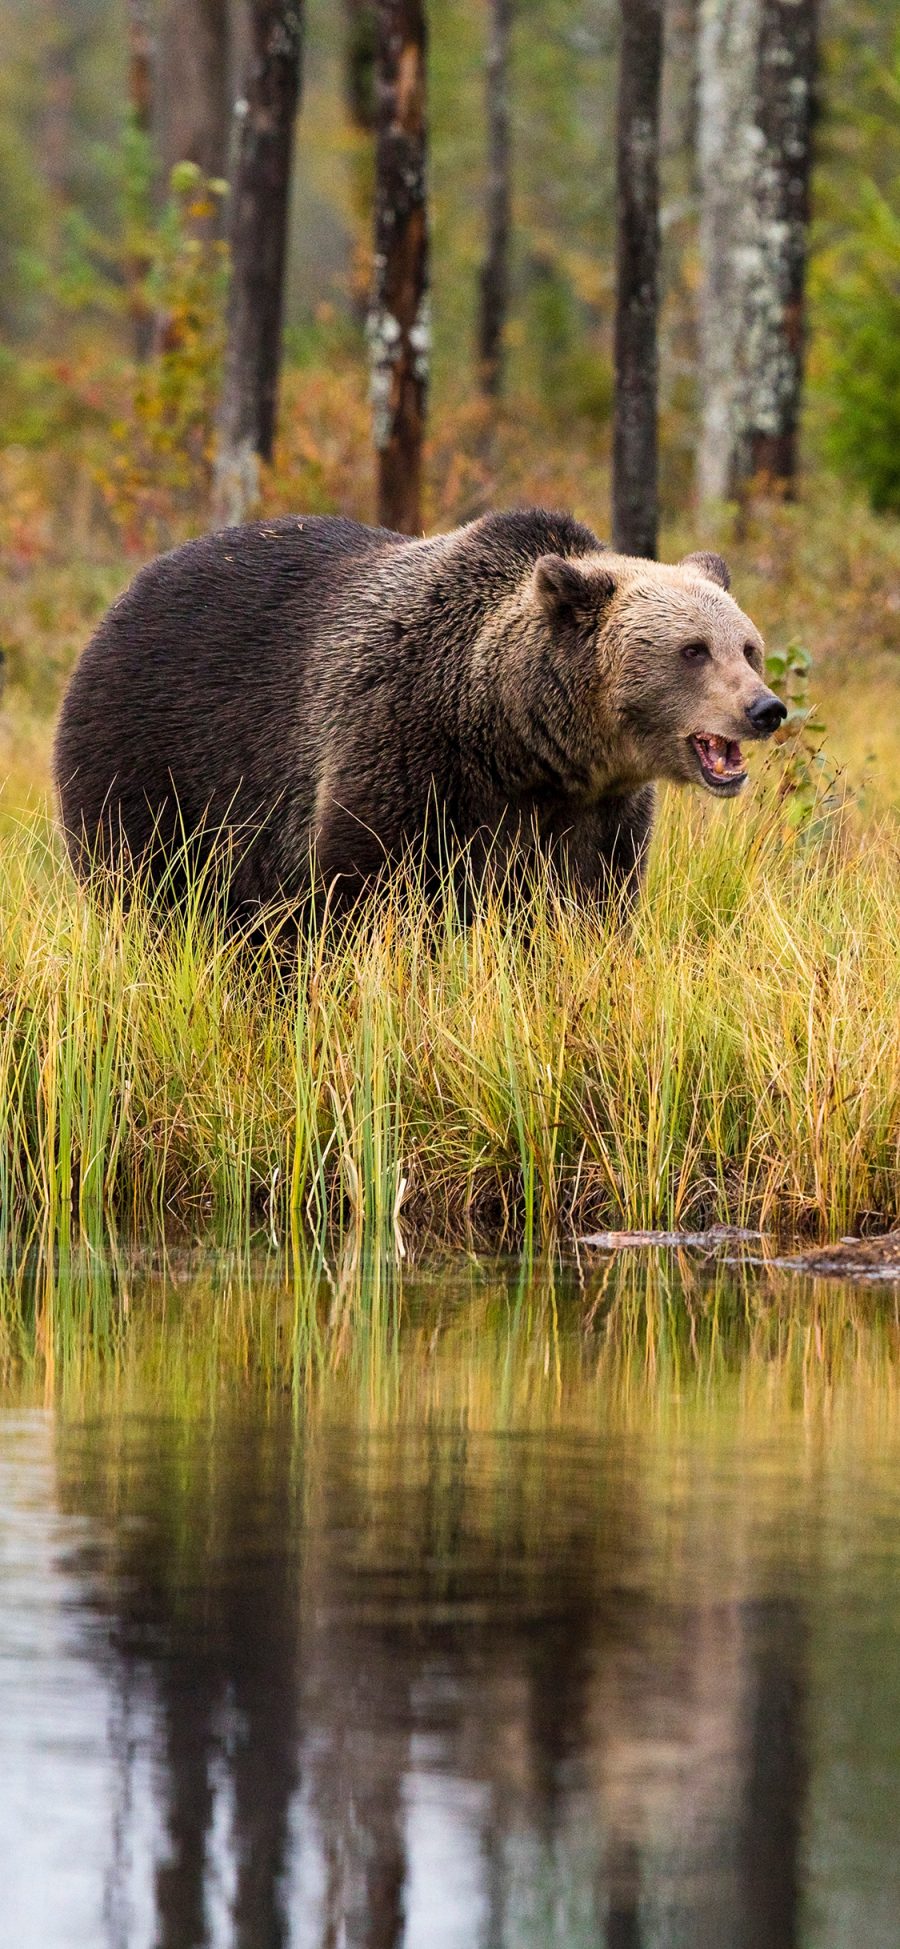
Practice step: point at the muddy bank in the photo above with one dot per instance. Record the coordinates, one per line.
(869, 1258)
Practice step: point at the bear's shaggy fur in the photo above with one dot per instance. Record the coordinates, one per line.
(311, 687)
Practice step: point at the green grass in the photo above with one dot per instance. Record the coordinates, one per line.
(732, 1055)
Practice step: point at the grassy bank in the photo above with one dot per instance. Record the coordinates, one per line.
(734, 1056)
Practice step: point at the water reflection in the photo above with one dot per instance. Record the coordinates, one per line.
(450, 1621)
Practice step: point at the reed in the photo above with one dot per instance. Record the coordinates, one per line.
(731, 1055)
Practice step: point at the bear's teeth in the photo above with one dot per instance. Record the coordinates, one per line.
(719, 764)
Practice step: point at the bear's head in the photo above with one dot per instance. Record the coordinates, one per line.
(664, 672)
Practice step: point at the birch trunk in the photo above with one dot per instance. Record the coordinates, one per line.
(494, 293)
(258, 215)
(776, 322)
(757, 79)
(635, 460)
(399, 330)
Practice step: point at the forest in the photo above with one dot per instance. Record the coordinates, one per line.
(449, 1407)
(412, 263)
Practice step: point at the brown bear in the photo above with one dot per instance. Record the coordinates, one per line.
(327, 696)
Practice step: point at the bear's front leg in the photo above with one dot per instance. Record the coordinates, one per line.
(606, 849)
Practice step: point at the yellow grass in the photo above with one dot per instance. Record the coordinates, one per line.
(734, 1055)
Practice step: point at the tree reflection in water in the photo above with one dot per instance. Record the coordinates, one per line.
(421, 1684)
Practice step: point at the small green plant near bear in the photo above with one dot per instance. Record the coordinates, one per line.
(806, 788)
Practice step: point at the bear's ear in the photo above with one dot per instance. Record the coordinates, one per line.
(712, 566)
(568, 592)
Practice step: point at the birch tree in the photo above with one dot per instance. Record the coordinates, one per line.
(635, 458)
(494, 284)
(756, 102)
(258, 218)
(398, 327)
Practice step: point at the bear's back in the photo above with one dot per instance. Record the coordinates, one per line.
(181, 708)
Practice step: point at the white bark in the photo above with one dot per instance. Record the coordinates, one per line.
(757, 70)
(728, 143)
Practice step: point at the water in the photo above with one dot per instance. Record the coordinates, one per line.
(475, 1609)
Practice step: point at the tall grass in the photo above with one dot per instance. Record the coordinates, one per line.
(732, 1055)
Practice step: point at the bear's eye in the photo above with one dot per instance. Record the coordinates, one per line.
(692, 652)
(750, 654)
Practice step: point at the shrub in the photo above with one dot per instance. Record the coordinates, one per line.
(864, 378)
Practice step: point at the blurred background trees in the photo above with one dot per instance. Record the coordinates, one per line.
(756, 94)
(494, 279)
(635, 515)
(259, 204)
(100, 260)
(399, 321)
(196, 83)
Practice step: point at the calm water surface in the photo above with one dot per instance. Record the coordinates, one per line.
(473, 1608)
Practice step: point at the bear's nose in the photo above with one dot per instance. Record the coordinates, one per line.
(766, 712)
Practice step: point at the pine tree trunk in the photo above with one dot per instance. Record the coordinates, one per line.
(258, 216)
(757, 79)
(194, 84)
(635, 457)
(495, 269)
(399, 329)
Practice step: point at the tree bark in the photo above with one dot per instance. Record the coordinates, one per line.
(635, 456)
(776, 325)
(399, 326)
(757, 86)
(194, 84)
(258, 217)
(495, 269)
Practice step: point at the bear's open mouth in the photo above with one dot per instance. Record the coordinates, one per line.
(721, 762)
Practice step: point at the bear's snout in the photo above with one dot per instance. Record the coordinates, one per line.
(765, 713)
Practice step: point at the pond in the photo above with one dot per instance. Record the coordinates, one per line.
(469, 1606)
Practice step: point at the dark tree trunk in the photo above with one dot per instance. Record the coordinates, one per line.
(495, 269)
(140, 102)
(635, 459)
(359, 62)
(787, 73)
(399, 329)
(258, 215)
(770, 1834)
(194, 84)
